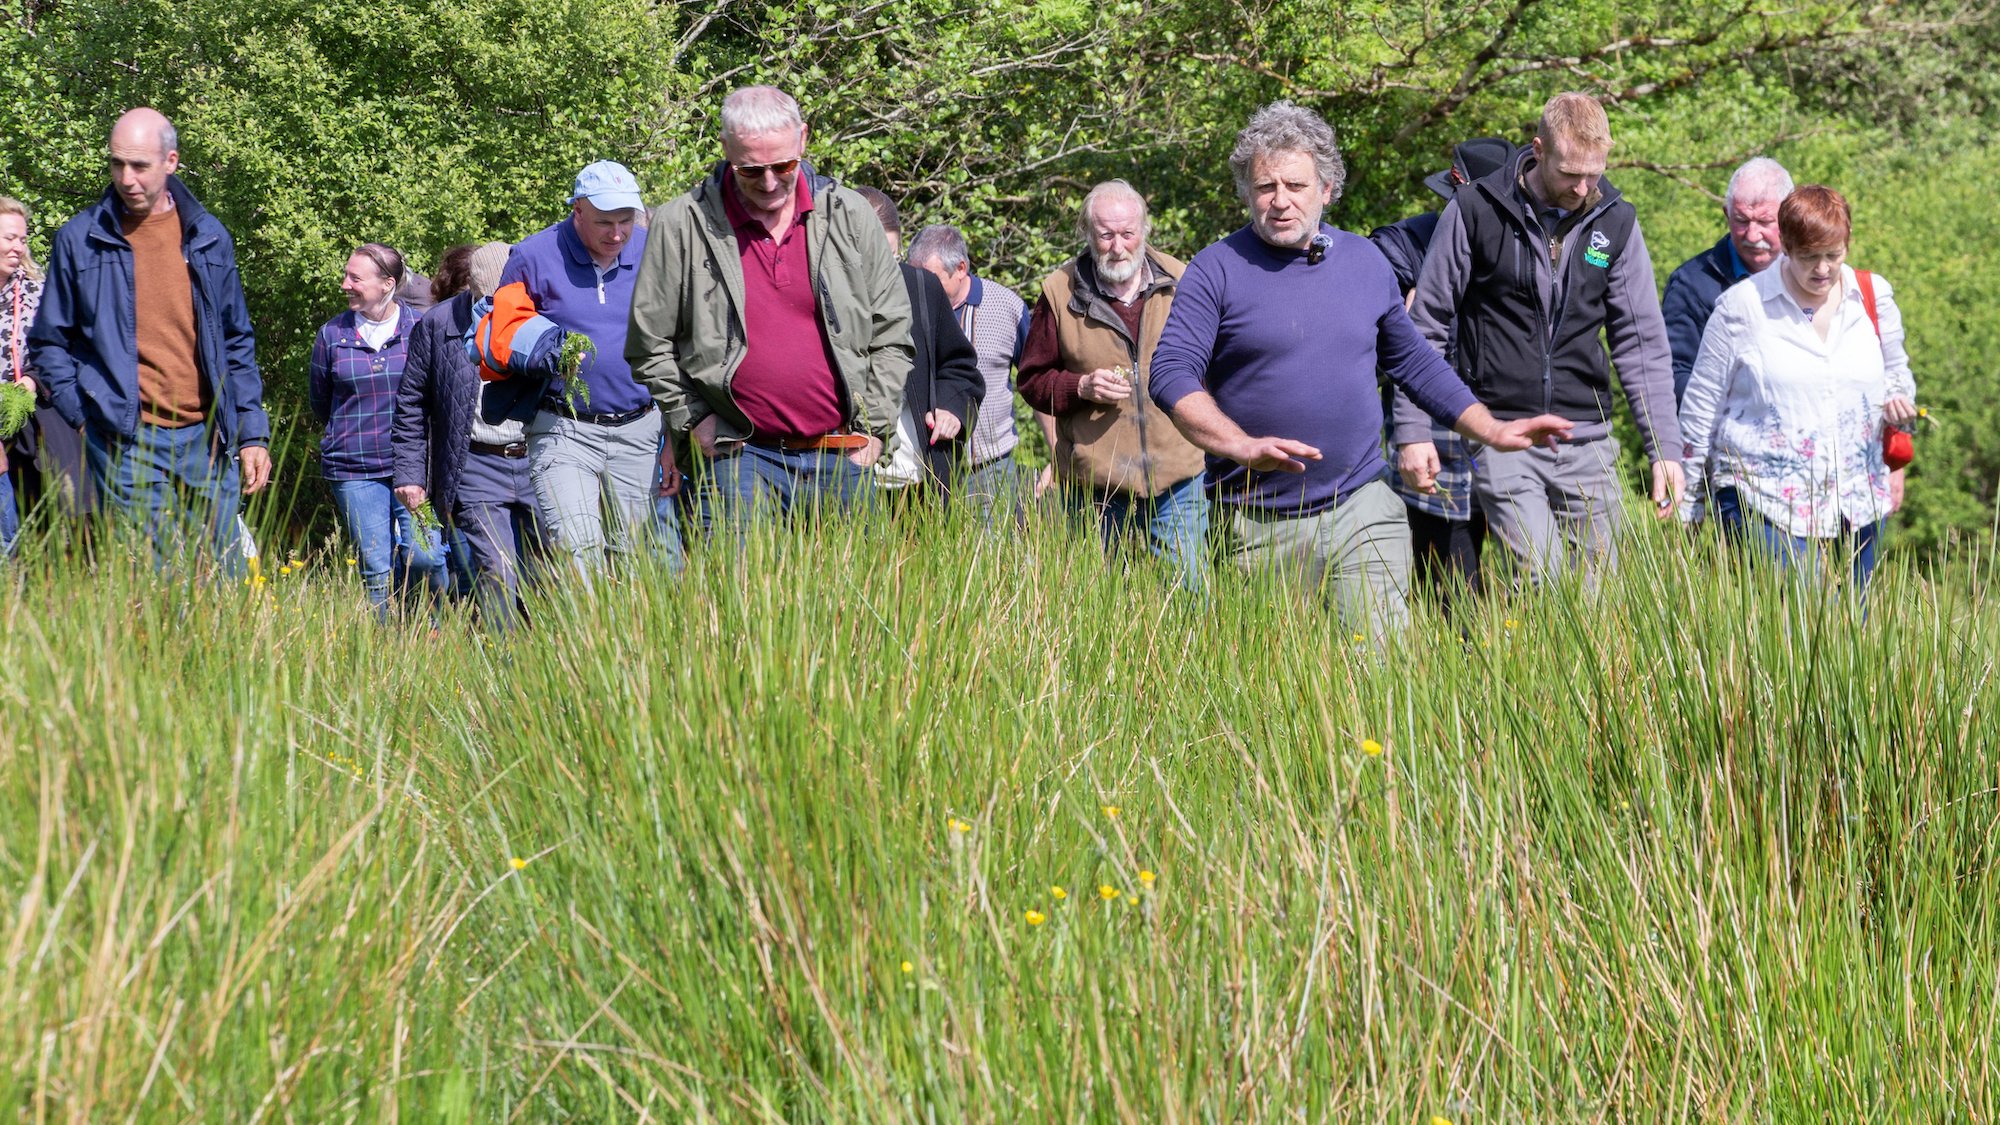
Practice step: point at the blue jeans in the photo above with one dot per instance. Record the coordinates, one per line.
(10, 517)
(139, 479)
(997, 488)
(385, 540)
(1175, 524)
(1794, 552)
(758, 482)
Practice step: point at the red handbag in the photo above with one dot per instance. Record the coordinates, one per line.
(1898, 449)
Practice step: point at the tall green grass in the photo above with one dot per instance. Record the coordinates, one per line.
(1699, 845)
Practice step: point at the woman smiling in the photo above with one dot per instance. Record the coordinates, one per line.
(357, 365)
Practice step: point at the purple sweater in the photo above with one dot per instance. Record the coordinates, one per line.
(1290, 350)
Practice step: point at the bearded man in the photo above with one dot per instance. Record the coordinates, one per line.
(1117, 456)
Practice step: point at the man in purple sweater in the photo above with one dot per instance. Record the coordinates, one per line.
(1279, 328)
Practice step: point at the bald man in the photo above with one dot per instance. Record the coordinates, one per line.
(144, 341)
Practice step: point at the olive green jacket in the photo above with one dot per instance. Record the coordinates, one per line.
(686, 338)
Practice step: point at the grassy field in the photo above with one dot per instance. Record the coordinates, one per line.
(784, 840)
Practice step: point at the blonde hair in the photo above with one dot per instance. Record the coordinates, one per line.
(1576, 118)
(11, 206)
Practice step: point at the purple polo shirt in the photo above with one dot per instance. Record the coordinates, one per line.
(785, 384)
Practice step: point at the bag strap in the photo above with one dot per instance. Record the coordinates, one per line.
(14, 329)
(1866, 281)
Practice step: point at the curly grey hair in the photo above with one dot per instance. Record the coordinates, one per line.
(1285, 127)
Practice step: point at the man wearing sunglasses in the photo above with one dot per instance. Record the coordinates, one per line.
(771, 323)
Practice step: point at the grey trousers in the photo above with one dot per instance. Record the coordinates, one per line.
(1356, 555)
(1555, 509)
(595, 484)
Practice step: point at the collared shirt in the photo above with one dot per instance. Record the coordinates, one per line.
(785, 384)
(1737, 269)
(570, 289)
(1452, 499)
(996, 321)
(1793, 422)
(353, 390)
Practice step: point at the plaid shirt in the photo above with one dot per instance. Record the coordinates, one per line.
(353, 391)
(1453, 499)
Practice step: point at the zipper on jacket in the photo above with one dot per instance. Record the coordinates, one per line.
(732, 359)
(825, 299)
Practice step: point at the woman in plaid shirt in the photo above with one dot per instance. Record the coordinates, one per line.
(357, 365)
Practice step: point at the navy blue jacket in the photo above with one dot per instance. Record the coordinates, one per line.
(1691, 294)
(85, 342)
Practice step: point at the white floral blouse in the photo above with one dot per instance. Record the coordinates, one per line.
(1793, 422)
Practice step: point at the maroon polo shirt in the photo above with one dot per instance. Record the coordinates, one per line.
(785, 384)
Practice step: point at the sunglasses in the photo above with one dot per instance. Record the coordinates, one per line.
(754, 173)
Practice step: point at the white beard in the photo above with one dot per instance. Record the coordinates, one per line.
(1119, 273)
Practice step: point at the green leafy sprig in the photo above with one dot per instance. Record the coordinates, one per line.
(570, 362)
(17, 405)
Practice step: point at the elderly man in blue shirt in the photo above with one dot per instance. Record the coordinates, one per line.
(1750, 207)
(594, 447)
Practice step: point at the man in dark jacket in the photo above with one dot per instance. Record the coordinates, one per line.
(1528, 267)
(462, 444)
(144, 341)
(1750, 206)
(945, 386)
(1447, 529)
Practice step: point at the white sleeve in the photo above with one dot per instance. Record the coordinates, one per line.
(1701, 402)
(1894, 358)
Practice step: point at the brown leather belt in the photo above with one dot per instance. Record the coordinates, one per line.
(515, 449)
(840, 442)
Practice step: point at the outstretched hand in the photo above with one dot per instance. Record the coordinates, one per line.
(1275, 454)
(1526, 433)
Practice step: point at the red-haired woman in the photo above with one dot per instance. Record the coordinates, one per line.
(1796, 378)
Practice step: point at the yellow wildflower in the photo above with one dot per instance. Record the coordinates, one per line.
(1513, 624)
(517, 863)
(1036, 917)
(909, 968)
(1107, 892)
(350, 560)
(1110, 811)
(1146, 877)
(1056, 892)
(958, 825)
(1360, 639)
(1371, 748)
(1440, 1121)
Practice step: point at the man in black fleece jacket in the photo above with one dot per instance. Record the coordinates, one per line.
(1528, 268)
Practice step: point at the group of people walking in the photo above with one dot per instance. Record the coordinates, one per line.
(1295, 398)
